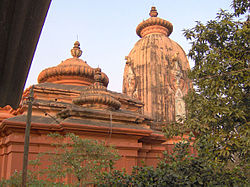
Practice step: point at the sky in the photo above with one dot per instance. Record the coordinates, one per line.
(106, 31)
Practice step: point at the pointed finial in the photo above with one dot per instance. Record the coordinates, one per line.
(76, 52)
(98, 75)
(153, 12)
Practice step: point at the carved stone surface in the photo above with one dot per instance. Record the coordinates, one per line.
(156, 71)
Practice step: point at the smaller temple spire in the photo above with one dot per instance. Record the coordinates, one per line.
(76, 52)
(98, 76)
(153, 12)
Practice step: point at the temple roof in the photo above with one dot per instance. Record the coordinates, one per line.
(72, 71)
(96, 95)
(154, 25)
(77, 89)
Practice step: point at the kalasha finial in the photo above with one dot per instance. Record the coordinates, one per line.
(76, 52)
(153, 12)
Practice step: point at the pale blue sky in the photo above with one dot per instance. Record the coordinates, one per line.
(106, 30)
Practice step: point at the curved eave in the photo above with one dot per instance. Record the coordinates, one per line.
(45, 124)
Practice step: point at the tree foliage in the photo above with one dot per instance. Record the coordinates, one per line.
(240, 6)
(218, 107)
(177, 169)
(83, 160)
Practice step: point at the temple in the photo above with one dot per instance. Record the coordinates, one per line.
(73, 97)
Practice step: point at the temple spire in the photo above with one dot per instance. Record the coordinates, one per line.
(160, 83)
(76, 52)
(153, 12)
(98, 75)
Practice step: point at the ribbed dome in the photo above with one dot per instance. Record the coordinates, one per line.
(156, 73)
(73, 71)
(97, 96)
